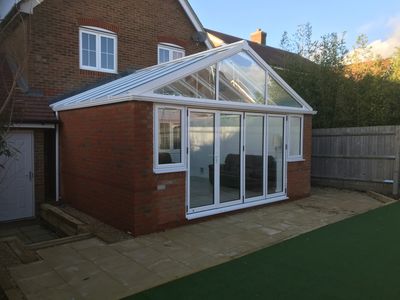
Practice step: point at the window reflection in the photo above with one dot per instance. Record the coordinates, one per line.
(278, 96)
(241, 79)
(198, 85)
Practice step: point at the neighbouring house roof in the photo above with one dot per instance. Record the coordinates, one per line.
(142, 84)
(273, 56)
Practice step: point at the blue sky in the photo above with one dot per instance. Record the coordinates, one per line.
(379, 19)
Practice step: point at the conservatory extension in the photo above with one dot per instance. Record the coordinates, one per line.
(204, 134)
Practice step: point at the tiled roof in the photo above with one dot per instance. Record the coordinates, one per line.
(273, 56)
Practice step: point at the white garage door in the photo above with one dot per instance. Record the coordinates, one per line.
(16, 179)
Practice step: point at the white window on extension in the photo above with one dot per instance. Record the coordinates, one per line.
(168, 139)
(168, 52)
(295, 138)
(98, 50)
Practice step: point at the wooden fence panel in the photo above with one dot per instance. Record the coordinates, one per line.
(364, 158)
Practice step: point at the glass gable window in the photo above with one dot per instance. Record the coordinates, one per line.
(278, 96)
(98, 50)
(295, 137)
(169, 138)
(238, 78)
(241, 79)
(198, 85)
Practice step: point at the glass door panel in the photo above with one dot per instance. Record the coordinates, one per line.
(202, 145)
(276, 143)
(254, 158)
(230, 158)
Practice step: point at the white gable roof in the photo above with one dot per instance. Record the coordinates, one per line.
(140, 85)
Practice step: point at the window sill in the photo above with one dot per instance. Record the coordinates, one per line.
(99, 70)
(300, 159)
(169, 170)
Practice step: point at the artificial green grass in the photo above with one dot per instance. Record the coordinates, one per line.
(358, 258)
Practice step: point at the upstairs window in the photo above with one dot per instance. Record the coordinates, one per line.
(168, 52)
(98, 50)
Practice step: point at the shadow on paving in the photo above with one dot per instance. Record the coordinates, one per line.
(357, 258)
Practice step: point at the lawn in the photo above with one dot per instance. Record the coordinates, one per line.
(358, 258)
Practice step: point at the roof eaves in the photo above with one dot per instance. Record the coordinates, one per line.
(195, 20)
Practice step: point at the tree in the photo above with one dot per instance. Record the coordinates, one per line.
(301, 41)
(362, 93)
(395, 66)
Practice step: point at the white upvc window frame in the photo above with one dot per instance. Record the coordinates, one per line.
(99, 33)
(173, 167)
(171, 48)
(299, 157)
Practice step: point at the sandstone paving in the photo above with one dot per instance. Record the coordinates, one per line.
(92, 269)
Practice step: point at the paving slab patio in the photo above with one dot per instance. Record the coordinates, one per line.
(92, 269)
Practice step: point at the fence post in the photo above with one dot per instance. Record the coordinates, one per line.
(396, 168)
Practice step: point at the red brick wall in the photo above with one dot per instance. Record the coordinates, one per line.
(299, 173)
(140, 25)
(107, 168)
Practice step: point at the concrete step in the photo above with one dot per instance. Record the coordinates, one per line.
(62, 221)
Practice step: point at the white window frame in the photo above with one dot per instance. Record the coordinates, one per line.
(293, 158)
(173, 167)
(99, 33)
(170, 48)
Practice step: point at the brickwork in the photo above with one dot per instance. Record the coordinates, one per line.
(107, 168)
(299, 173)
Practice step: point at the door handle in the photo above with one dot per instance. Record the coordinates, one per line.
(30, 175)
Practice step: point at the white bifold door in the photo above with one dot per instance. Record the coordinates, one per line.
(234, 158)
(16, 178)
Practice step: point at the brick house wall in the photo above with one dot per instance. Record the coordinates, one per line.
(139, 26)
(107, 168)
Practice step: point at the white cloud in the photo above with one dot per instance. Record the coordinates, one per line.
(385, 48)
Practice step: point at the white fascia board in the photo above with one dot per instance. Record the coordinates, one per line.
(191, 102)
(27, 6)
(278, 78)
(204, 63)
(194, 19)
